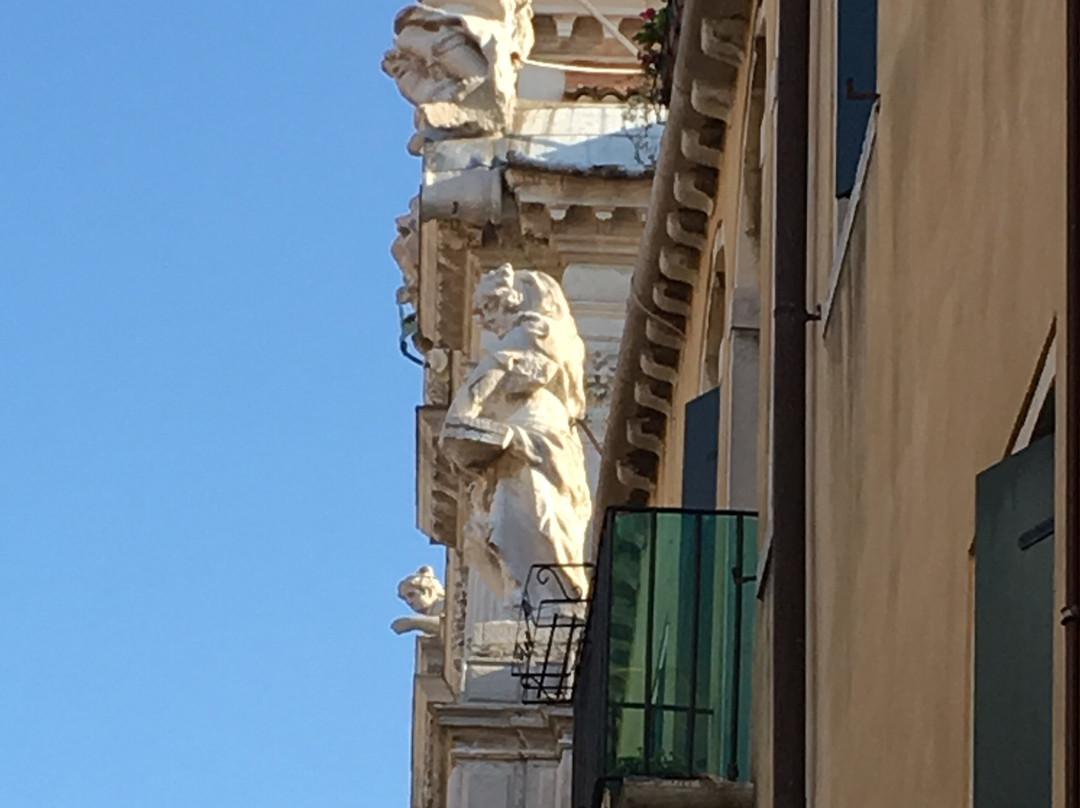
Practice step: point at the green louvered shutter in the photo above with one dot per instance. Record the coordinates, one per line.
(701, 436)
(1014, 630)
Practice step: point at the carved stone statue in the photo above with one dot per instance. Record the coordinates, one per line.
(425, 596)
(458, 63)
(513, 428)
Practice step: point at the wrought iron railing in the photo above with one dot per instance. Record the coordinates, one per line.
(550, 631)
(664, 682)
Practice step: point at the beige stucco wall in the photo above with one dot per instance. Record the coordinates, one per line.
(920, 376)
(955, 271)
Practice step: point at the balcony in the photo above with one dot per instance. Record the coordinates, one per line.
(663, 692)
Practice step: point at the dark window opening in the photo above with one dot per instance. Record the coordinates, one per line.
(856, 73)
(1044, 424)
(701, 440)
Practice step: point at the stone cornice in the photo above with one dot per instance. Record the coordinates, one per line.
(533, 726)
(714, 43)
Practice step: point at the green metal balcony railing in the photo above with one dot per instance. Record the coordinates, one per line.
(664, 685)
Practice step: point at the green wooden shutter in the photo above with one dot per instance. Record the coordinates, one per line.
(1014, 631)
(700, 451)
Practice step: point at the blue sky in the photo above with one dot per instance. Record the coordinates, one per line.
(206, 431)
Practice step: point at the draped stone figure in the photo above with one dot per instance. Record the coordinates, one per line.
(458, 63)
(513, 428)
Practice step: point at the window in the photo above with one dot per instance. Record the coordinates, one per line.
(856, 92)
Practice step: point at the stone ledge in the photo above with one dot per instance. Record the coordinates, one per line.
(700, 792)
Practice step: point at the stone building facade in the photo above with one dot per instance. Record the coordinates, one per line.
(924, 196)
(537, 146)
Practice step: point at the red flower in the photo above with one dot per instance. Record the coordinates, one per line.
(648, 14)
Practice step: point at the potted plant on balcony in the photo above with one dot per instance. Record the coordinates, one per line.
(657, 38)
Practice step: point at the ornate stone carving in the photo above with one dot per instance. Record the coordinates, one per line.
(599, 376)
(406, 251)
(458, 578)
(437, 381)
(512, 428)
(458, 63)
(425, 596)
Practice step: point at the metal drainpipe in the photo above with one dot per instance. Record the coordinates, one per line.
(1071, 618)
(789, 407)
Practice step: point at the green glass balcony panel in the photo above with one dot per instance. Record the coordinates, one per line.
(669, 748)
(626, 743)
(708, 757)
(680, 645)
(631, 561)
(715, 572)
(742, 647)
(675, 608)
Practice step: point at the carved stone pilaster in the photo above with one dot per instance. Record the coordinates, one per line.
(437, 483)
(447, 265)
(457, 574)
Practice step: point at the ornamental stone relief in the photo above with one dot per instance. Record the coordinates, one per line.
(406, 252)
(459, 68)
(599, 376)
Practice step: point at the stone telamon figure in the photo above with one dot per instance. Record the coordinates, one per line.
(513, 427)
(425, 596)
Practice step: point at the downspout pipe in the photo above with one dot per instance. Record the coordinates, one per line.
(788, 489)
(1071, 612)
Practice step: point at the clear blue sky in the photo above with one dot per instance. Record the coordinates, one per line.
(206, 431)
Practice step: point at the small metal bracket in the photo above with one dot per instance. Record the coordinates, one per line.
(856, 95)
(409, 330)
(789, 308)
(1070, 614)
(1041, 531)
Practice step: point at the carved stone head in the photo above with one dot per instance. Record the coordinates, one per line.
(496, 300)
(423, 592)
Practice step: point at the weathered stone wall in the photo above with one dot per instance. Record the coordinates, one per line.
(550, 172)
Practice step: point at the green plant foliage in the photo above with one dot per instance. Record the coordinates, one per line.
(653, 36)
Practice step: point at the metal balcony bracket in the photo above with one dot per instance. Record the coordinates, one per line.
(549, 633)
